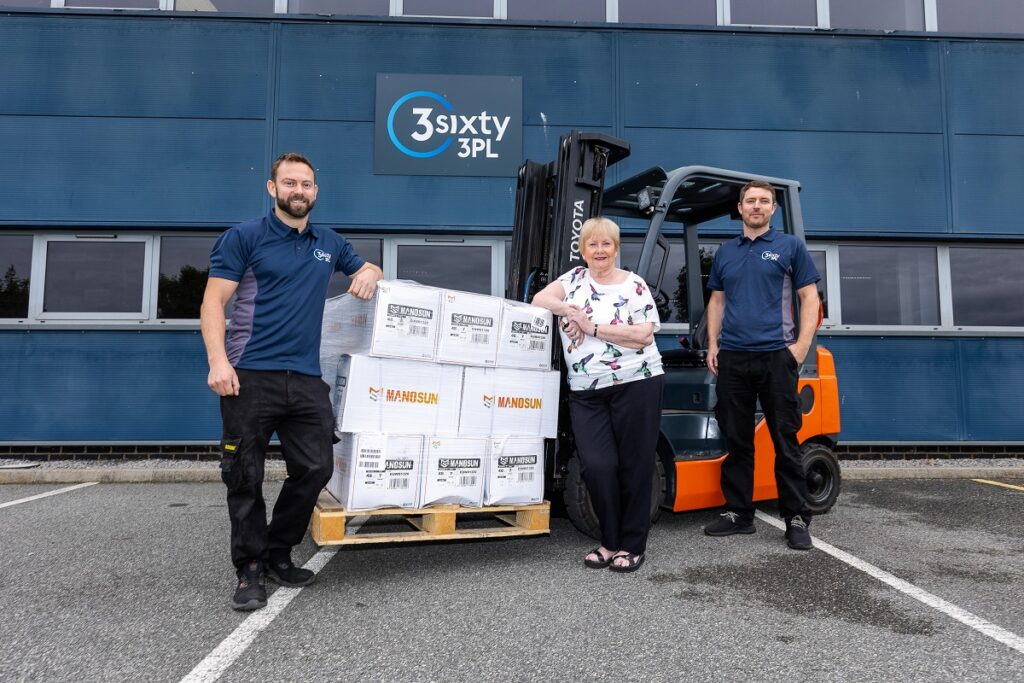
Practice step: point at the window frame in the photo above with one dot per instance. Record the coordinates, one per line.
(497, 245)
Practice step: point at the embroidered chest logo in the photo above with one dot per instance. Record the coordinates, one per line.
(769, 256)
(321, 255)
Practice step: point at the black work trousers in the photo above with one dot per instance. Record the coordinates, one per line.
(744, 377)
(616, 430)
(298, 408)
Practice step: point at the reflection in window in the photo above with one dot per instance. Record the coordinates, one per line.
(774, 12)
(370, 250)
(184, 268)
(819, 264)
(15, 268)
(448, 8)
(889, 285)
(355, 7)
(40, 4)
(94, 277)
(988, 286)
(990, 16)
(455, 266)
(558, 10)
(668, 12)
(240, 6)
(877, 15)
(114, 4)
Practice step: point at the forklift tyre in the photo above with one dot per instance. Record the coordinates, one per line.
(821, 467)
(581, 510)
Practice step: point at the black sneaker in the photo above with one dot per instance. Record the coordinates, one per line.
(729, 523)
(284, 573)
(251, 592)
(798, 536)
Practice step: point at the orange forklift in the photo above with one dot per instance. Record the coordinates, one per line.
(552, 202)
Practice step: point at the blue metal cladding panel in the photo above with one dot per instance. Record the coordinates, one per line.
(897, 388)
(105, 386)
(114, 171)
(328, 71)
(78, 66)
(350, 194)
(984, 88)
(988, 176)
(780, 82)
(993, 374)
(852, 182)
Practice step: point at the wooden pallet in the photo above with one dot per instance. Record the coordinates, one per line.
(438, 523)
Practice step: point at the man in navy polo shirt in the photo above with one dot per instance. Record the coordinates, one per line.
(754, 350)
(267, 370)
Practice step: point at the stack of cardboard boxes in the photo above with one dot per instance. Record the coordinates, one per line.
(440, 396)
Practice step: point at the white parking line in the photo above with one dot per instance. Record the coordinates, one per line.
(963, 616)
(225, 654)
(48, 494)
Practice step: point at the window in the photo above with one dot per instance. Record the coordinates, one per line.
(370, 250)
(877, 15)
(988, 285)
(240, 6)
(448, 8)
(114, 4)
(96, 277)
(184, 268)
(668, 11)
(672, 308)
(15, 269)
(889, 285)
(357, 7)
(558, 10)
(773, 12)
(980, 16)
(820, 264)
(464, 266)
(35, 4)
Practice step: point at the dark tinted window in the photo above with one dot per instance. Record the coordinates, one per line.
(558, 10)
(184, 267)
(455, 266)
(774, 12)
(889, 285)
(241, 6)
(370, 250)
(114, 4)
(988, 286)
(819, 264)
(668, 12)
(449, 8)
(366, 7)
(672, 300)
(94, 277)
(877, 15)
(980, 16)
(15, 268)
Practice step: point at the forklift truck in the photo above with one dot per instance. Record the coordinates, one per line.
(552, 202)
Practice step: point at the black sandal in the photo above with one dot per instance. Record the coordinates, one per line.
(597, 564)
(633, 563)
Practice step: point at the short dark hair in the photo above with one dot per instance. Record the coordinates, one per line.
(291, 157)
(759, 184)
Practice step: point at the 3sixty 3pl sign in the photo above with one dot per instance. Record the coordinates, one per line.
(436, 124)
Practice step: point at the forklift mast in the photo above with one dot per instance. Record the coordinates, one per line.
(552, 202)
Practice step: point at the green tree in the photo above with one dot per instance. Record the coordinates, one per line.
(13, 295)
(181, 296)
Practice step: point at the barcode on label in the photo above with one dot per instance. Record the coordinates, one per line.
(370, 464)
(480, 338)
(536, 345)
(526, 476)
(418, 330)
(467, 480)
(399, 483)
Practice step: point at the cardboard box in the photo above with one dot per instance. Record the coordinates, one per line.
(347, 329)
(525, 339)
(377, 470)
(468, 333)
(515, 471)
(405, 323)
(500, 401)
(453, 471)
(397, 396)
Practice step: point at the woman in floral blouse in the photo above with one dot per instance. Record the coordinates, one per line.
(608, 321)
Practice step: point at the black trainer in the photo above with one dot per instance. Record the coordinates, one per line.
(284, 573)
(729, 523)
(798, 536)
(251, 592)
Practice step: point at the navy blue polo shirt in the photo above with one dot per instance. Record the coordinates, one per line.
(759, 278)
(282, 278)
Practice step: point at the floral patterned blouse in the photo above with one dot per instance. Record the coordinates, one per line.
(596, 364)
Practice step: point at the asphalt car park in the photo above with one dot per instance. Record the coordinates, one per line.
(131, 582)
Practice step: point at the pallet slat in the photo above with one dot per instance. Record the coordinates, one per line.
(439, 523)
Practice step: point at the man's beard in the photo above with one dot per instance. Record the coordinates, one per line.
(295, 213)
